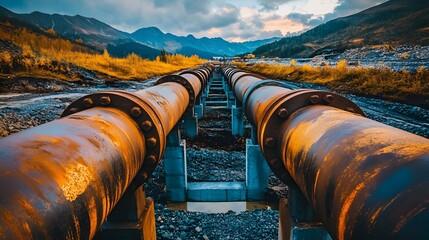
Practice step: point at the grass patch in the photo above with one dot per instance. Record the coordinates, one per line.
(402, 86)
(54, 57)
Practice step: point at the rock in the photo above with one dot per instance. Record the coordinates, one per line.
(205, 237)
(183, 235)
(166, 235)
(198, 229)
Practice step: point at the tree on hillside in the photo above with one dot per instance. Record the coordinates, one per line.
(163, 56)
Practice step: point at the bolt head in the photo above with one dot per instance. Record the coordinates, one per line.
(328, 98)
(73, 110)
(282, 113)
(314, 99)
(144, 175)
(151, 159)
(146, 125)
(105, 100)
(136, 111)
(87, 102)
(151, 142)
(270, 142)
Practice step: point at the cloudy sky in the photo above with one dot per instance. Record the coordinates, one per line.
(235, 20)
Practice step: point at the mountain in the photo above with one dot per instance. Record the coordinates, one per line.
(155, 38)
(257, 43)
(92, 32)
(124, 48)
(396, 22)
(145, 42)
(189, 51)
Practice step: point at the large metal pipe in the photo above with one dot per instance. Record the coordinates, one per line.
(364, 179)
(61, 179)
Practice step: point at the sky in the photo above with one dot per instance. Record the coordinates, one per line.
(234, 20)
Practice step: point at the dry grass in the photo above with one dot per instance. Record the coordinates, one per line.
(384, 83)
(44, 56)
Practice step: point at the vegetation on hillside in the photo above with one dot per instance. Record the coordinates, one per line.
(397, 22)
(49, 56)
(402, 86)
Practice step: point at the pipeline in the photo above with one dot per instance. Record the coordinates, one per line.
(364, 179)
(61, 180)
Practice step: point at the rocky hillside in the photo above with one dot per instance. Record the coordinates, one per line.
(396, 22)
(88, 31)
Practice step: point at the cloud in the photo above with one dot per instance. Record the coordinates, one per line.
(271, 5)
(309, 20)
(349, 7)
(234, 20)
(342, 8)
(177, 16)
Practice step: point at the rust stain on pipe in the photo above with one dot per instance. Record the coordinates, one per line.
(78, 178)
(364, 179)
(48, 172)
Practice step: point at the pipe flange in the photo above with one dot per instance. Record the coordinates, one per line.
(247, 74)
(255, 86)
(226, 70)
(142, 114)
(186, 84)
(198, 75)
(205, 71)
(229, 75)
(279, 112)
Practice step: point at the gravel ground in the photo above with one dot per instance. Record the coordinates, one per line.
(257, 224)
(206, 165)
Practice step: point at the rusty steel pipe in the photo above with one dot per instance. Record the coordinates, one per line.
(200, 75)
(364, 179)
(240, 87)
(193, 82)
(258, 103)
(60, 180)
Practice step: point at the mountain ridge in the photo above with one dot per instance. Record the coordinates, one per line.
(155, 38)
(100, 35)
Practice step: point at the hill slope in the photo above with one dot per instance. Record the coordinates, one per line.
(395, 22)
(90, 31)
